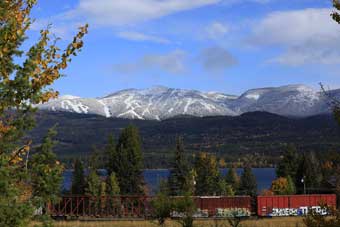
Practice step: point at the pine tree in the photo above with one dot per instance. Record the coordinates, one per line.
(179, 171)
(291, 190)
(111, 154)
(225, 189)
(95, 188)
(93, 181)
(190, 181)
(95, 159)
(289, 164)
(309, 171)
(78, 179)
(128, 167)
(24, 83)
(112, 188)
(93, 185)
(233, 179)
(46, 172)
(248, 185)
(208, 175)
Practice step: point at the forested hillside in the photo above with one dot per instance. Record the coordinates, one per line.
(258, 136)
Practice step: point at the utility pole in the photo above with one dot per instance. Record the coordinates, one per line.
(304, 184)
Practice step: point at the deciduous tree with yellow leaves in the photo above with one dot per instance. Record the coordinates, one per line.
(25, 79)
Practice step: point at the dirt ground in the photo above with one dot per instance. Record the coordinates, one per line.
(267, 222)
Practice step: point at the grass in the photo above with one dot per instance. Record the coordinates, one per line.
(270, 222)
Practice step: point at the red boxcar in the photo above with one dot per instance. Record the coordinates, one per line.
(293, 205)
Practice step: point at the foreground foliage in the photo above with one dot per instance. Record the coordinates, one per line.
(25, 78)
(45, 173)
(162, 206)
(315, 219)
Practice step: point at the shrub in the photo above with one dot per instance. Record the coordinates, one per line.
(161, 208)
(185, 206)
(315, 219)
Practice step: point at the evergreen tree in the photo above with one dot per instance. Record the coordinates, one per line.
(164, 187)
(94, 161)
(190, 181)
(23, 84)
(291, 190)
(112, 187)
(179, 171)
(337, 184)
(93, 185)
(129, 164)
(208, 175)
(233, 179)
(309, 171)
(111, 154)
(95, 188)
(78, 179)
(225, 188)
(112, 190)
(248, 185)
(46, 177)
(289, 164)
(103, 188)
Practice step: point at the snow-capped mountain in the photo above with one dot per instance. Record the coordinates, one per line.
(159, 103)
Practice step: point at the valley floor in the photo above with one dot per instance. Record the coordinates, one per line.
(267, 222)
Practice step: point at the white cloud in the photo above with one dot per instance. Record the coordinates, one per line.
(302, 56)
(216, 59)
(307, 36)
(137, 36)
(172, 62)
(122, 13)
(216, 30)
(125, 12)
(233, 2)
(296, 27)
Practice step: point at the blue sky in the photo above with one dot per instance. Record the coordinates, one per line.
(211, 45)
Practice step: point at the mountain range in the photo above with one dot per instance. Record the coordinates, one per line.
(159, 103)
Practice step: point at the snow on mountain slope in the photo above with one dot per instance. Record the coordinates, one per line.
(291, 100)
(159, 103)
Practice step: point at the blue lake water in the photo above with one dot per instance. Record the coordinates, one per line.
(153, 177)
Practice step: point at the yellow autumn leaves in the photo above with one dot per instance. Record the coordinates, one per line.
(27, 83)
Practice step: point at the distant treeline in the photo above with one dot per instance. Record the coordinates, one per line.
(259, 137)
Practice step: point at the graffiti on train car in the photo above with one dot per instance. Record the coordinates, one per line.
(232, 212)
(301, 211)
(219, 213)
(198, 214)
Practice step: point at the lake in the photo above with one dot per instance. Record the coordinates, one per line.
(153, 177)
